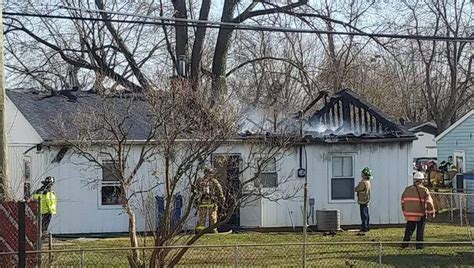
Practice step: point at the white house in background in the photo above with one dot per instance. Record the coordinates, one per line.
(341, 138)
(425, 145)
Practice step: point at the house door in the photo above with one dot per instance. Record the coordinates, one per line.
(459, 160)
(228, 172)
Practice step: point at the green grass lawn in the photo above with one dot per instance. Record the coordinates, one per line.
(273, 255)
(433, 232)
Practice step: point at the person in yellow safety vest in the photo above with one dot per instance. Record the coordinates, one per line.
(48, 202)
(210, 194)
(417, 204)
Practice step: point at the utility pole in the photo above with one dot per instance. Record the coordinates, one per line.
(302, 172)
(4, 186)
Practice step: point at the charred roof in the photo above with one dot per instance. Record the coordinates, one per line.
(346, 117)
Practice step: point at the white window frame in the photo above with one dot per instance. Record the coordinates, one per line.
(330, 177)
(258, 183)
(460, 153)
(102, 184)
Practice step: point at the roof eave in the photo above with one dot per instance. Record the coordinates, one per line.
(453, 126)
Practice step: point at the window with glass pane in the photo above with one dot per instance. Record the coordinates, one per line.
(342, 181)
(111, 192)
(268, 176)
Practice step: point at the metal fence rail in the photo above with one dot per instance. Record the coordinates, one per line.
(330, 254)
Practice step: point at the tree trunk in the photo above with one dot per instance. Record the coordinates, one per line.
(134, 259)
(181, 32)
(334, 70)
(158, 257)
(219, 62)
(196, 56)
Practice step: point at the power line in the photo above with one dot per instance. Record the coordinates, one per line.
(272, 28)
(229, 25)
(19, 14)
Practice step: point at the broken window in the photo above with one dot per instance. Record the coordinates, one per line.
(342, 179)
(268, 176)
(111, 191)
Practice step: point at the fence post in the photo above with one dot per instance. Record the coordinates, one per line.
(236, 256)
(21, 234)
(451, 207)
(304, 254)
(39, 228)
(460, 209)
(50, 247)
(82, 258)
(380, 254)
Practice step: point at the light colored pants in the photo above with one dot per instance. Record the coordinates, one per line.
(210, 209)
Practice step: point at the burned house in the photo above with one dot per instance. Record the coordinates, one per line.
(342, 134)
(346, 135)
(339, 136)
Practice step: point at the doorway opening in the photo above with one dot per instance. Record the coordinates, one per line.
(227, 168)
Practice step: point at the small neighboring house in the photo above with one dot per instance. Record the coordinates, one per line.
(425, 145)
(456, 143)
(341, 138)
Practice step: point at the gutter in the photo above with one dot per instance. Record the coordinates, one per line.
(367, 140)
(130, 142)
(291, 139)
(39, 145)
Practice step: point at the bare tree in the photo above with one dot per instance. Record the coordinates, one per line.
(105, 127)
(56, 54)
(174, 133)
(243, 188)
(224, 39)
(195, 131)
(446, 66)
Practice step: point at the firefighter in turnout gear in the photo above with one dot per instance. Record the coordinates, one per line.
(363, 190)
(210, 194)
(417, 204)
(48, 203)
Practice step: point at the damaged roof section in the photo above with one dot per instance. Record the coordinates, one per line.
(347, 117)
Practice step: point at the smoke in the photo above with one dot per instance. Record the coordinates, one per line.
(319, 128)
(323, 129)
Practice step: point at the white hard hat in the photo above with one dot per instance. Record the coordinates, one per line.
(418, 176)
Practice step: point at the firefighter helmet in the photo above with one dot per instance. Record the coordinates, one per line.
(367, 172)
(418, 176)
(208, 170)
(48, 181)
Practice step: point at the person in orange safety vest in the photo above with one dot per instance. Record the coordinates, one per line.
(417, 204)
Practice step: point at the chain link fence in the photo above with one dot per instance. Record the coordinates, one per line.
(330, 254)
(19, 229)
(454, 208)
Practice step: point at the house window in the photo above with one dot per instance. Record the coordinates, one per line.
(342, 180)
(111, 192)
(268, 176)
